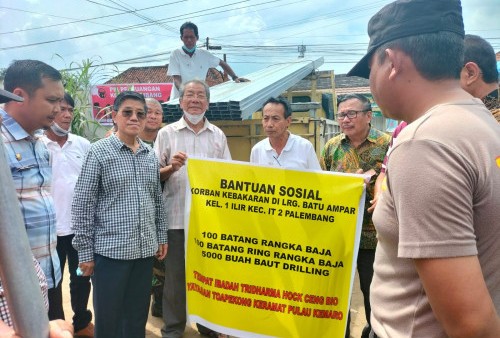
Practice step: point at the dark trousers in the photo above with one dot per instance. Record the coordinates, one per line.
(365, 261)
(174, 291)
(79, 286)
(55, 302)
(122, 291)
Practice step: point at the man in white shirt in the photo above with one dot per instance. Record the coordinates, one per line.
(192, 135)
(282, 148)
(188, 62)
(67, 151)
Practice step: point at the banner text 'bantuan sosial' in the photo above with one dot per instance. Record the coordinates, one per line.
(270, 251)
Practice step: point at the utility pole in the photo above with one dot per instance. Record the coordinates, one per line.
(301, 49)
(212, 47)
(224, 75)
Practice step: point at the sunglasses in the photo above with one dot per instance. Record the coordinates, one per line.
(141, 115)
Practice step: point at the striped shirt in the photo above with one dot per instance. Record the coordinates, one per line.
(210, 142)
(30, 168)
(117, 207)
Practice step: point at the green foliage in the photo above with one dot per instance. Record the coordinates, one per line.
(78, 80)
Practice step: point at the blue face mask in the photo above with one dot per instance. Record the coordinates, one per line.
(189, 50)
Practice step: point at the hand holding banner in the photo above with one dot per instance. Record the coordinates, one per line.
(270, 251)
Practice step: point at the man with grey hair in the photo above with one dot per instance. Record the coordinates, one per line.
(479, 76)
(436, 265)
(192, 135)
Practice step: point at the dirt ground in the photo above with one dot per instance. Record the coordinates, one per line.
(153, 327)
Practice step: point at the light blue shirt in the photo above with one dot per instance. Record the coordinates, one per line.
(30, 168)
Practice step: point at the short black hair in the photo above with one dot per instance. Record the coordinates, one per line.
(69, 99)
(128, 94)
(437, 56)
(367, 105)
(479, 51)
(283, 102)
(28, 75)
(189, 25)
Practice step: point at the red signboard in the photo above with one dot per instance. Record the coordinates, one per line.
(103, 97)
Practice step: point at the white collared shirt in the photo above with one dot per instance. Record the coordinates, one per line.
(66, 164)
(190, 67)
(298, 153)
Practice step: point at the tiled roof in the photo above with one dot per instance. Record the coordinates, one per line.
(341, 81)
(158, 74)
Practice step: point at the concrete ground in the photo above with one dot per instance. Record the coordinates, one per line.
(153, 327)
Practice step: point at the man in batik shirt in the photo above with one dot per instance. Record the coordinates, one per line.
(358, 147)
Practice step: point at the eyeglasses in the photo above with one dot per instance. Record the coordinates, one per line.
(351, 114)
(198, 96)
(141, 115)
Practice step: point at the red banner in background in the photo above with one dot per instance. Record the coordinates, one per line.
(103, 97)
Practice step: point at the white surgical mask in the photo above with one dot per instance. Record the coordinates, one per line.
(58, 130)
(194, 119)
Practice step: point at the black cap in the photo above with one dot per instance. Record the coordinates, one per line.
(6, 96)
(405, 18)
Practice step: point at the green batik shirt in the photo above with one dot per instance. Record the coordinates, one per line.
(340, 156)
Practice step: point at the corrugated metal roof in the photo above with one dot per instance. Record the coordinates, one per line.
(237, 101)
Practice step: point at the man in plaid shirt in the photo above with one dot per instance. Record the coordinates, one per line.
(120, 222)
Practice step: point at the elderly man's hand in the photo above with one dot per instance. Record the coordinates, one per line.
(178, 160)
(162, 251)
(368, 174)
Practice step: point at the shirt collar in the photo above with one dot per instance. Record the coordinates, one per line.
(71, 138)
(14, 128)
(116, 142)
(182, 124)
(287, 147)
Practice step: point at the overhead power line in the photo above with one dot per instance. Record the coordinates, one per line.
(174, 18)
(79, 20)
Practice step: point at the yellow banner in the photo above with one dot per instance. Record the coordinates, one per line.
(269, 251)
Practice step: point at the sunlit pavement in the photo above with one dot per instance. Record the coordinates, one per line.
(153, 327)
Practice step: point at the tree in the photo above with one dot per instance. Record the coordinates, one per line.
(78, 79)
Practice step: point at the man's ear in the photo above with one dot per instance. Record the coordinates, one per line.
(396, 62)
(369, 115)
(20, 92)
(472, 72)
(113, 115)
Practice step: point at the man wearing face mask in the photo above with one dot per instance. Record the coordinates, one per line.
(188, 63)
(192, 135)
(67, 151)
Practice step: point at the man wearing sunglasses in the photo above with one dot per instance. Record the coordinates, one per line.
(120, 222)
(359, 147)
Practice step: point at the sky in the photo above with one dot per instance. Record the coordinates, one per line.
(253, 34)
